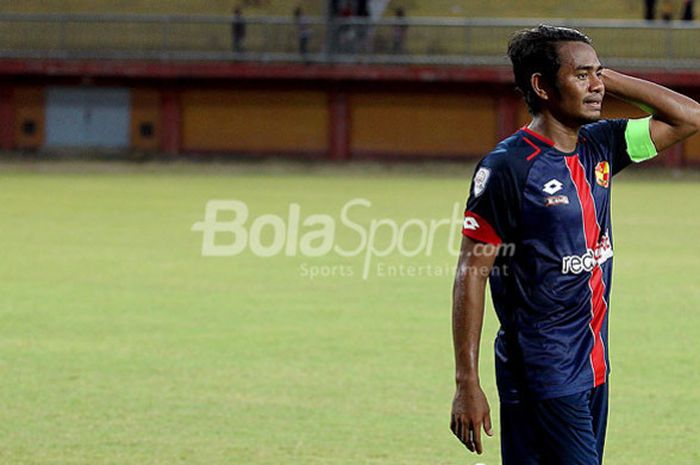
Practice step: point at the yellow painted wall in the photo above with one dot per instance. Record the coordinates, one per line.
(427, 124)
(145, 109)
(254, 120)
(29, 107)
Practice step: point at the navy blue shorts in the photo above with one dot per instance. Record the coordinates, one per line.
(566, 430)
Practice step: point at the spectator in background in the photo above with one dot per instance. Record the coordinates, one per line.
(362, 30)
(362, 8)
(666, 10)
(688, 13)
(303, 30)
(346, 31)
(399, 31)
(238, 30)
(650, 10)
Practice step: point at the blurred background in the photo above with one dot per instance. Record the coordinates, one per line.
(336, 80)
(345, 133)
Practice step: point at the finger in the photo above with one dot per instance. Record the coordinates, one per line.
(453, 424)
(487, 425)
(461, 430)
(464, 437)
(477, 439)
(469, 438)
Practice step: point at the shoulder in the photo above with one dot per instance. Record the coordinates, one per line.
(505, 168)
(604, 130)
(511, 157)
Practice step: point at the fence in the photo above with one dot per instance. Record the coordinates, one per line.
(278, 39)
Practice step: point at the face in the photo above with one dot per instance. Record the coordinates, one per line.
(580, 89)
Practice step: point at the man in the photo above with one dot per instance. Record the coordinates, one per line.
(546, 191)
(649, 10)
(303, 30)
(238, 26)
(688, 14)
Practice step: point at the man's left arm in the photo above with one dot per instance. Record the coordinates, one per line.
(675, 117)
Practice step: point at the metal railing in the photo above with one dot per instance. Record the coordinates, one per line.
(279, 39)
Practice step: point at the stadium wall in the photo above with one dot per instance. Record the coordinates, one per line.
(331, 112)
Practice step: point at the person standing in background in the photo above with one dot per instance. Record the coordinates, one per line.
(346, 31)
(238, 27)
(666, 10)
(303, 30)
(688, 13)
(650, 10)
(399, 32)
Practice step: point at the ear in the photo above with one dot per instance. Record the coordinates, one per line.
(539, 86)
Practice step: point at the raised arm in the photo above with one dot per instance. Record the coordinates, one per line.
(470, 409)
(675, 116)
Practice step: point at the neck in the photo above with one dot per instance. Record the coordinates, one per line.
(565, 137)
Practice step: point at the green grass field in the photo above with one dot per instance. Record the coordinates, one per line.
(121, 344)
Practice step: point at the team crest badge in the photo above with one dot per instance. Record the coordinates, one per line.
(602, 174)
(481, 178)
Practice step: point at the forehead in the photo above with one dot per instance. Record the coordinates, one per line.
(573, 55)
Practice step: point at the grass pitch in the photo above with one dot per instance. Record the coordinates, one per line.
(122, 344)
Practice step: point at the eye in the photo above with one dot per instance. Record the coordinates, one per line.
(582, 76)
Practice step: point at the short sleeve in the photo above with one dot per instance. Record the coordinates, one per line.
(609, 135)
(493, 207)
(623, 141)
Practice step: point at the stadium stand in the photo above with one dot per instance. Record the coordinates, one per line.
(176, 86)
(611, 9)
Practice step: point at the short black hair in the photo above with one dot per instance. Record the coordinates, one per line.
(535, 51)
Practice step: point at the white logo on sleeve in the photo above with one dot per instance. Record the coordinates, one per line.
(552, 187)
(481, 178)
(471, 223)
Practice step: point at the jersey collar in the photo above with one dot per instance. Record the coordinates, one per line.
(537, 136)
(547, 142)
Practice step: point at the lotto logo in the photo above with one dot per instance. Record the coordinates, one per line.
(471, 223)
(552, 187)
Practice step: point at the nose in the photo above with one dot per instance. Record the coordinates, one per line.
(596, 83)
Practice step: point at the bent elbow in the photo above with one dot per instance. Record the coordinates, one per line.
(695, 118)
(689, 123)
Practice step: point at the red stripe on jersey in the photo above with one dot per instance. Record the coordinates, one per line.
(544, 139)
(479, 229)
(532, 144)
(592, 232)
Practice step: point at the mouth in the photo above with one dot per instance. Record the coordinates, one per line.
(595, 104)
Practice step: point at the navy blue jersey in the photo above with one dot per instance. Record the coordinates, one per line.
(551, 285)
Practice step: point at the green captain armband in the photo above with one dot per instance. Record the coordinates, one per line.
(640, 147)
